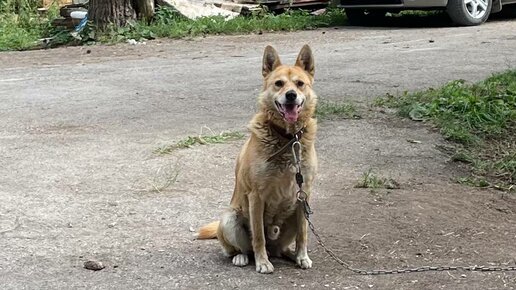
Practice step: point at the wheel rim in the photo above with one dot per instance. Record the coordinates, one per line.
(476, 8)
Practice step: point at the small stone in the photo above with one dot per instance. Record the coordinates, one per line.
(93, 265)
(88, 51)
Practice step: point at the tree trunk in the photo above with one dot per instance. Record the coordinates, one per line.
(145, 9)
(106, 12)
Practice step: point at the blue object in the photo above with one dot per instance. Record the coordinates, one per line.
(81, 24)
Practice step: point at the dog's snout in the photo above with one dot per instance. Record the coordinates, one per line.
(291, 95)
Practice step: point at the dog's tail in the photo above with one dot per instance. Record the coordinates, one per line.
(208, 231)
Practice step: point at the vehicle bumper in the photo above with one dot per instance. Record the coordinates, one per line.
(392, 3)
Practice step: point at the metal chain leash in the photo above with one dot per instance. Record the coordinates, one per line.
(302, 200)
(403, 270)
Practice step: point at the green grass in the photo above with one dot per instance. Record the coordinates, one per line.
(334, 110)
(22, 29)
(480, 118)
(191, 141)
(373, 181)
(170, 24)
(418, 13)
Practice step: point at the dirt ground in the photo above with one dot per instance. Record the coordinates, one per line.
(78, 127)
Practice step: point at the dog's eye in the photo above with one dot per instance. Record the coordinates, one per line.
(279, 83)
(300, 83)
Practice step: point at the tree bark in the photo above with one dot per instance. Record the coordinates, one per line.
(115, 12)
(145, 9)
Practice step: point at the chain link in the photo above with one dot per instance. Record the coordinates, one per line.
(403, 270)
(302, 197)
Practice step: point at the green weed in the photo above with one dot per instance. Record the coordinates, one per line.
(472, 181)
(481, 117)
(371, 180)
(191, 141)
(170, 24)
(330, 110)
(22, 27)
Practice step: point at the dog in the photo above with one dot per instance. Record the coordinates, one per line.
(264, 217)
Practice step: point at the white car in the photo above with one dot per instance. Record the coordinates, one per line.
(462, 12)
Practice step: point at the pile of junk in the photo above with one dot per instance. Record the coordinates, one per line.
(74, 13)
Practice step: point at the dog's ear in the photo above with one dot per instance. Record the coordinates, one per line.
(305, 60)
(270, 60)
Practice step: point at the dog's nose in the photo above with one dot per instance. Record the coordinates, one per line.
(291, 95)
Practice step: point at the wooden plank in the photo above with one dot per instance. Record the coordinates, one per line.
(235, 7)
(47, 3)
(193, 10)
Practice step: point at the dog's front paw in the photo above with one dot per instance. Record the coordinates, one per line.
(304, 262)
(240, 260)
(264, 267)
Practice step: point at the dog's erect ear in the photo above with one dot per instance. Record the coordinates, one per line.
(270, 60)
(305, 60)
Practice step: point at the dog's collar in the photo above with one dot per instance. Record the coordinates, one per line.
(283, 133)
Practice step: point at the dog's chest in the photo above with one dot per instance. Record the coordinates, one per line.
(280, 202)
(280, 185)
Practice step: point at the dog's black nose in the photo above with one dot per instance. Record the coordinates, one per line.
(291, 95)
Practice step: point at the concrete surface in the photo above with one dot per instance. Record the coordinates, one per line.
(78, 127)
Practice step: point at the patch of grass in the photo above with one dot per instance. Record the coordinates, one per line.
(472, 181)
(168, 23)
(22, 27)
(418, 13)
(332, 110)
(371, 180)
(191, 141)
(480, 117)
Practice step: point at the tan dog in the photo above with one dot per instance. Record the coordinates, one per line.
(264, 216)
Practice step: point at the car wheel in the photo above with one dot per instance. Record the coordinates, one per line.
(357, 16)
(469, 12)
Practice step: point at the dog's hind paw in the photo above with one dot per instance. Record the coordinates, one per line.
(240, 260)
(304, 262)
(264, 267)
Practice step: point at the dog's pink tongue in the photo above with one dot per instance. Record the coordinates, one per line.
(291, 115)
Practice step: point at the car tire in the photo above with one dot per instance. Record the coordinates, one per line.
(357, 16)
(469, 12)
